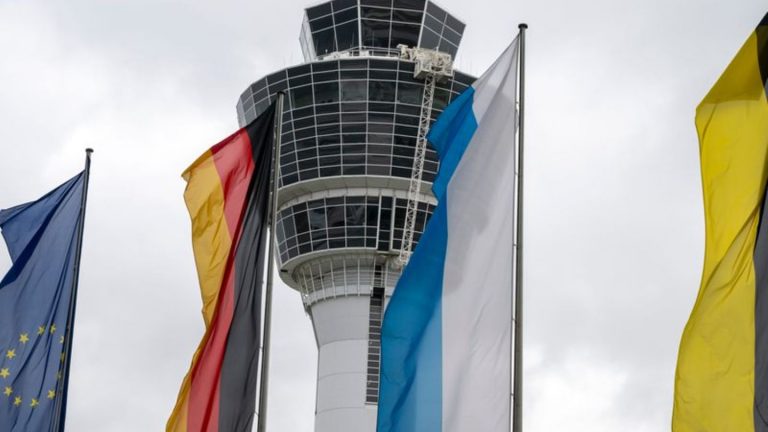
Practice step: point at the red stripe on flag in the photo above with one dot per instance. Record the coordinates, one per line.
(234, 163)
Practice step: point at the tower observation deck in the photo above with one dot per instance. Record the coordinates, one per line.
(352, 123)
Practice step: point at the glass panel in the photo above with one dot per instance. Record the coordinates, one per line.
(358, 169)
(321, 23)
(326, 92)
(382, 107)
(409, 109)
(305, 144)
(410, 93)
(327, 140)
(325, 66)
(302, 96)
(301, 80)
(452, 36)
(435, 11)
(302, 223)
(380, 128)
(328, 129)
(383, 75)
(343, 4)
(317, 218)
(380, 149)
(353, 118)
(354, 74)
(406, 34)
(326, 76)
(383, 64)
(406, 16)
(382, 91)
(409, 4)
(354, 91)
(447, 47)
(376, 13)
(379, 3)
(318, 11)
(441, 98)
(407, 120)
(276, 77)
(325, 109)
(355, 215)
(353, 128)
(455, 24)
(354, 149)
(429, 39)
(354, 64)
(380, 139)
(324, 42)
(346, 35)
(327, 119)
(335, 216)
(300, 70)
(380, 118)
(375, 33)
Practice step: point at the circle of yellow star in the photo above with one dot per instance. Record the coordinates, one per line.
(4, 372)
(53, 328)
(24, 338)
(51, 394)
(10, 354)
(34, 403)
(17, 401)
(8, 391)
(40, 330)
(61, 339)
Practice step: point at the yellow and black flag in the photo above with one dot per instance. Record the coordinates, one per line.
(721, 384)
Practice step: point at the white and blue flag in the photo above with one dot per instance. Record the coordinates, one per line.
(446, 334)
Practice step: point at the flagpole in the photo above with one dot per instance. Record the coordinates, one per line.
(264, 382)
(63, 382)
(517, 392)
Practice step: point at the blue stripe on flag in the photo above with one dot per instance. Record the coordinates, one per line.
(450, 136)
(410, 395)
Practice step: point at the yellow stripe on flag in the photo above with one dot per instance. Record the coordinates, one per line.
(211, 236)
(714, 383)
(211, 242)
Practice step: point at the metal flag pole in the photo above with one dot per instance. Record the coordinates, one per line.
(517, 402)
(264, 382)
(63, 381)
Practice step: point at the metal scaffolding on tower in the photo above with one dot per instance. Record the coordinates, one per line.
(431, 66)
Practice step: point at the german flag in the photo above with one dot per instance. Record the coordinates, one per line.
(227, 196)
(721, 384)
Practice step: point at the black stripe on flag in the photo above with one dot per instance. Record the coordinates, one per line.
(240, 369)
(762, 51)
(761, 321)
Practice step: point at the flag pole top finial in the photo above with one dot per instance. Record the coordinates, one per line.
(89, 150)
(522, 26)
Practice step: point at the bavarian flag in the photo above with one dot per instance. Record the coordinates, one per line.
(227, 196)
(721, 384)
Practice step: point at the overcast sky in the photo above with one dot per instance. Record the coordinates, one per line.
(614, 222)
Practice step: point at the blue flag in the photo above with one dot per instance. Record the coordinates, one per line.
(42, 238)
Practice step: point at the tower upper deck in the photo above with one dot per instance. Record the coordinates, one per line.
(377, 27)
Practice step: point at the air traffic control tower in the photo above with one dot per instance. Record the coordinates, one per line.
(355, 176)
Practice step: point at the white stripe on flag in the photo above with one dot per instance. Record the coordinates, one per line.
(477, 285)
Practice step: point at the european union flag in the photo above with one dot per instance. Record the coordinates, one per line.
(36, 308)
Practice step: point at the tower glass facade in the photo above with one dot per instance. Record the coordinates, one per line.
(350, 123)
